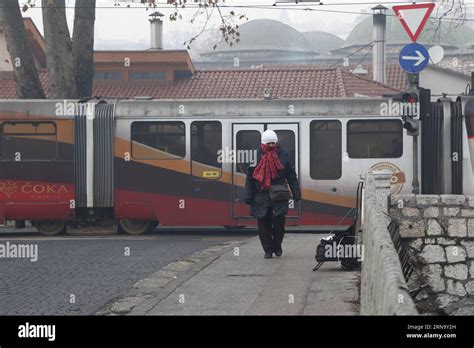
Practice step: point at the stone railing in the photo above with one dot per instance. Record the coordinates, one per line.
(383, 287)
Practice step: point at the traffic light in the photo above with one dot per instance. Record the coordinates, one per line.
(416, 106)
(405, 97)
(412, 126)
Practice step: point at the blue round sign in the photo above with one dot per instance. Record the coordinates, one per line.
(414, 58)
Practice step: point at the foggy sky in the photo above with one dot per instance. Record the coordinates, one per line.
(128, 28)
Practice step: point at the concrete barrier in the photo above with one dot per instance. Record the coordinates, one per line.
(383, 287)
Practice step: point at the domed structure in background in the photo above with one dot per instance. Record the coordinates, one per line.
(261, 41)
(264, 35)
(470, 44)
(463, 36)
(267, 42)
(322, 42)
(435, 33)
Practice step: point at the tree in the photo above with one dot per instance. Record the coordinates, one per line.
(228, 28)
(69, 61)
(83, 46)
(452, 10)
(60, 64)
(28, 85)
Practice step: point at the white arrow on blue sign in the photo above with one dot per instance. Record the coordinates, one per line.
(414, 58)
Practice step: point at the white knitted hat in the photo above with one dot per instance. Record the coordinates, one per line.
(269, 136)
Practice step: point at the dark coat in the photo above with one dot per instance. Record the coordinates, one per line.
(260, 200)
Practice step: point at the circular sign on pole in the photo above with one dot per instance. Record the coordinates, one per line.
(414, 58)
(436, 54)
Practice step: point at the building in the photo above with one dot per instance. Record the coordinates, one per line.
(170, 74)
(281, 83)
(259, 46)
(267, 41)
(163, 65)
(157, 65)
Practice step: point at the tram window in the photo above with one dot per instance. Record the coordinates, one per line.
(23, 141)
(325, 150)
(206, 142)
(158, 140)
(248, 142)
(375, 138)
(287, 140)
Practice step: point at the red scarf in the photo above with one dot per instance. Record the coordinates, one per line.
(268, 166)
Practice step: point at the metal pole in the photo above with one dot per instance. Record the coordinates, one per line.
(415, 183)
(472, 82)
(379, 32)
(414, 80)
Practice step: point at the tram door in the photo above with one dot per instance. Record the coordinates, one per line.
(246, 139)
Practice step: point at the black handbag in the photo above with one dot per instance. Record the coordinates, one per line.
(279, 193)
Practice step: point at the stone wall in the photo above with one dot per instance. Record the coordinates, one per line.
(383, 287)
(439, 231)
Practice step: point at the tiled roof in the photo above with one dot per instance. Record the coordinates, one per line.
(464, 65)
(395, 75)
(237, 84)
(7, 83)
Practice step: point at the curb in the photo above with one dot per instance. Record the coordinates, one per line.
(148, 292)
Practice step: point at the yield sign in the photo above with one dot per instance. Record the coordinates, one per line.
(414, 17)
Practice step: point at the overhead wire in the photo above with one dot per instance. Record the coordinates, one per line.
(287, 7)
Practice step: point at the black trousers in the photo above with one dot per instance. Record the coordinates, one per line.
(271, 230)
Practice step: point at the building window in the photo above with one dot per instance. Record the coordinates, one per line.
(325, 150)
(206, 147)
(375, 139)
(23, 141)
(181, 75)
(158, 140)
(108, 75)
(148, 75)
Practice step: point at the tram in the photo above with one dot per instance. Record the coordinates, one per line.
(137, 163)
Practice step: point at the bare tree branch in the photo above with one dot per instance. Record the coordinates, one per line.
(228, 28)
(453, 10)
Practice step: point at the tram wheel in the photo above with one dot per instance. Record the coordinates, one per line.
(50, 228)
(136, 227)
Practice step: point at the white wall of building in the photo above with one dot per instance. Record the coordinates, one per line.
(5, 64)
(440, 82)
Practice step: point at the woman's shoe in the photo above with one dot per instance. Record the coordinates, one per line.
(278, 252)
(268, 255)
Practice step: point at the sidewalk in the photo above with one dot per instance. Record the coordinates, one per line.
(248, 284)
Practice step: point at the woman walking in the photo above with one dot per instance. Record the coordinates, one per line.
(266, 190)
